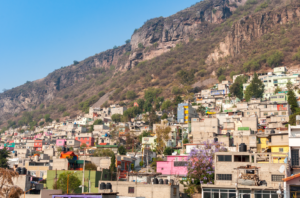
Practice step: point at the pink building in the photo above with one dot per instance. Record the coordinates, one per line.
(175, 165)
(61, 142)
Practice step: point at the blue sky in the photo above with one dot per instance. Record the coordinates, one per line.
(37, 37)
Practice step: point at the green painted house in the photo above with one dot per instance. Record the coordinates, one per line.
(93, 176)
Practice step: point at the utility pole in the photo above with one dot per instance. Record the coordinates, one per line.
(82, 189)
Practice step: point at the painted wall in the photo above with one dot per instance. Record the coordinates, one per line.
(60, 142)
(168, 168)
(93, 176)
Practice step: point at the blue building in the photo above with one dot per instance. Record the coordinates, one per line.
(185, 112)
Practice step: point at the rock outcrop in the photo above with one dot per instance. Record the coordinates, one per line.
(251, 28)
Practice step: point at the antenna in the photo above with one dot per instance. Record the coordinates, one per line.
(241, 135)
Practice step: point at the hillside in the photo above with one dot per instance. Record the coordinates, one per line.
(194, 47)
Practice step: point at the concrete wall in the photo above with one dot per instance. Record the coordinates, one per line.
(265, 171)
(144, 190)
(250, 122)
(60, 164)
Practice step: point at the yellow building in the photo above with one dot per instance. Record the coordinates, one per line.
(277, 144)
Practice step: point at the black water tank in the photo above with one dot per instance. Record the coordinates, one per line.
(215, 139)
(243, 147)
(67, 149)
(108, 186)
(155, 181)
(102, 186)
(228, 134)
(272, 131)
(166, 181)
(171, 181)
(28, 172)
(23, 171)
(18, 170)
(161, 181)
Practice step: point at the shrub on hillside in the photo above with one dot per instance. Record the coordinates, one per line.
(221, 78)
(296, 57)
(130, 95)
(275, 58)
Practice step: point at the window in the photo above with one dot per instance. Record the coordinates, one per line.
(180, 163)
(283, 113)
(224, 176)
(276, 113)
(174, 191)
(130, 189)
(265, 114)
(248, 113)
(277, 178)
(280, 149)
(87, 142)
(78, 138)
(265, 194)
(241, 158)
(162, 168)
(216, 193)
(224, 158)
(87, 138)
(250, 171)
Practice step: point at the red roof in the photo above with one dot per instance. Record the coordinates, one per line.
(291, 177)
(11, 141)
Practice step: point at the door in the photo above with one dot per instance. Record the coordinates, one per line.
(295, 157)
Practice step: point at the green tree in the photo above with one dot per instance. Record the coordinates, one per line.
(292, 101)
(116, 117)
(75, 62)
(130, 95)
(185, 141)
(41, 123)
(90, 166)
(141, 103)
(73, 185)
(166, 104)
(278, 89)
(275, 59)
(4, 154)
(255, 89)
(236, 89)
(112, 167)
(164, 116)
(122, 150)
(289, 85)
(47, 118)
(221, 78)
(201, 109)
(127, 41)
(101, 93)
(168, 151)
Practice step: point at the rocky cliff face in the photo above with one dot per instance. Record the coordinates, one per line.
(251, 28)
(159, 35)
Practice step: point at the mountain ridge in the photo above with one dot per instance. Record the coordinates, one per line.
(153, 58)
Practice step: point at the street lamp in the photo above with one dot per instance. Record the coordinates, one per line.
(27, 191)
(68, 181)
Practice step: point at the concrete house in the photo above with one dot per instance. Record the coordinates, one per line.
(146, 190)
(241, 173)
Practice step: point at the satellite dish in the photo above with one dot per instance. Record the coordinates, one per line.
(282, 169)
